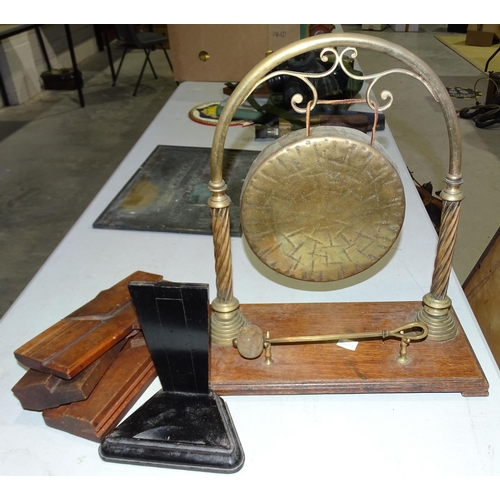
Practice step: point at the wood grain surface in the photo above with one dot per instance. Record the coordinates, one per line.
(73, 343)
(121, 386)
(40, 391)
(482, 289)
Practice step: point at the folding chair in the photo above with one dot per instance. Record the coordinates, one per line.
(146, 41)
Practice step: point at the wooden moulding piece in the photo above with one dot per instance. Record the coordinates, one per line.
(326, 368)
(482, 289)
(73, 343)
(40, 391)
(121, 386)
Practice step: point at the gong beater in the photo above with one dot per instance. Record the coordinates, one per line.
(250, 340)
(324, 206)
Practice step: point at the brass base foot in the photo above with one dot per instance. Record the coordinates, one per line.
(226, 321)
(438, 318)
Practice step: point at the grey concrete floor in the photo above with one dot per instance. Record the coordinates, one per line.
(55, 156)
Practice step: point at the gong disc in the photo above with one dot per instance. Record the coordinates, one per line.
(323, 207)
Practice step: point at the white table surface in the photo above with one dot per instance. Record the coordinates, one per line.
(301, 439)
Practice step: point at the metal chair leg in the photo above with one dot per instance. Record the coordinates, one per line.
(119, 67)
(140, 76)
(147, 52)
(168, 59)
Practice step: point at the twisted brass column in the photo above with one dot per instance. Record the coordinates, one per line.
(436, 311)
(226, 318)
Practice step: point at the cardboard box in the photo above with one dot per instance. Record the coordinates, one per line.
(404, 27)
(222, 53)
(483, 35)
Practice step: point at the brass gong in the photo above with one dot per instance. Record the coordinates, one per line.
(322, 207)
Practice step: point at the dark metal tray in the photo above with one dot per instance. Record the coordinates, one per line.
(169, 192)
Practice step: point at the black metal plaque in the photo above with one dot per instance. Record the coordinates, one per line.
(169, 192)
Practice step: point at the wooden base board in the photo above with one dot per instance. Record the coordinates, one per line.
(327, 368)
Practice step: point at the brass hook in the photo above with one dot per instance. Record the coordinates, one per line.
(342, 101)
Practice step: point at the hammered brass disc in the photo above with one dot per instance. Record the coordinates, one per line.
(323, 207)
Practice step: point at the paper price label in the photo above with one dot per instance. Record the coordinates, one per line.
(348, 344)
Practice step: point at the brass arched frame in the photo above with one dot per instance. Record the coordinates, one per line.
(227, 318)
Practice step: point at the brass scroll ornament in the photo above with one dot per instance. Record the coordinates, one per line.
(250, 340)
